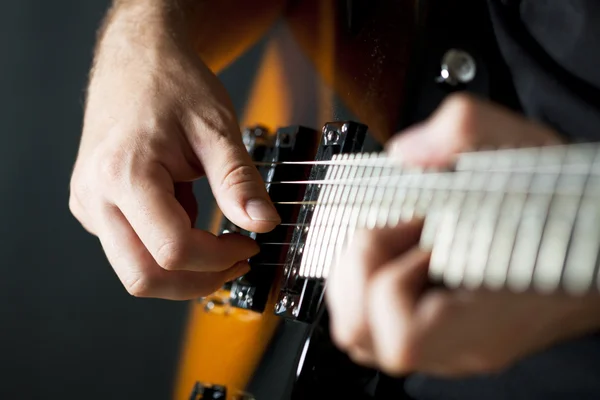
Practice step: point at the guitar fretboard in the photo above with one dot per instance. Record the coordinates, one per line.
(514, 218)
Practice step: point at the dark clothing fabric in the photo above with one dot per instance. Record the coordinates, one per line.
(552, 50)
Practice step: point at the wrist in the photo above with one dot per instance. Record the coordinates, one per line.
(141, 29)
(145, 22)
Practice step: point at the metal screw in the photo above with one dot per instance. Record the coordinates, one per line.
(279, 307)
(332, 135)
(458, 66)
(285, 139)
(209, 306)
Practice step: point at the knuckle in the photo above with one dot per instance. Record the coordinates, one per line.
(345, 337)
(363, 242)
(461, 103)
(215, 122)
(461, 122)
(75, 207)
(139, 285)
(239, 176)
(110, 168)
(391, 363)
(171, 256)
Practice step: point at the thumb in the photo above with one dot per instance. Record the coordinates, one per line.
(236, 184)
(466, 123)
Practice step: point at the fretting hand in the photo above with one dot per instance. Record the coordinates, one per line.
(384, 315)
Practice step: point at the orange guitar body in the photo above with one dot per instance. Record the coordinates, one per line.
(223, 346)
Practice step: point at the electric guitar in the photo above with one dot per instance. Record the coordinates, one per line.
(522, 219)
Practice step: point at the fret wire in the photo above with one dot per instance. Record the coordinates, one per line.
(484, 231)
(318, 250)
(349, 211)
(451, 214)
(523, 232)
(309, 191)
(386, 204)
(529, 237)
(584, 244)
(356, 207)
(331, 217)
(333, 239)
(312, 234)
(397, 203)
(463, 235)
(504, 200)
(412, 194)
(503, 246)
(360, 210)
(426, 197)
(372, 215)
(556, 235)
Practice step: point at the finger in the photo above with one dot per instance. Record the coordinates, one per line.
(236, 184)
(80, 214)
(464, 123)
(147, 200)
(345, 292)
(184, 193)
(139, 272)
(392, 293)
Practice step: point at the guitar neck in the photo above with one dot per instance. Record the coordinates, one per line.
(515, 218)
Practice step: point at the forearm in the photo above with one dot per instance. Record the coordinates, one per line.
(217, 31)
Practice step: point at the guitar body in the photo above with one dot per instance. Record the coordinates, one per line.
(265, 335)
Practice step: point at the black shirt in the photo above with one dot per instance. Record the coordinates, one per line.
(552, 51)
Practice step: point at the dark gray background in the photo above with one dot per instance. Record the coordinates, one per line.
(68, 330)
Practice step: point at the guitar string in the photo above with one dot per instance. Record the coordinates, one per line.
(571, 169)
(524, 192)
(367, 162)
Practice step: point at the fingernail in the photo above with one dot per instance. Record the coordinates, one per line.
(262, 210)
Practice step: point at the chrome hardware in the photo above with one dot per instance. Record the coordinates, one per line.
(458, 67)
(332, 136)
(254, 137)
